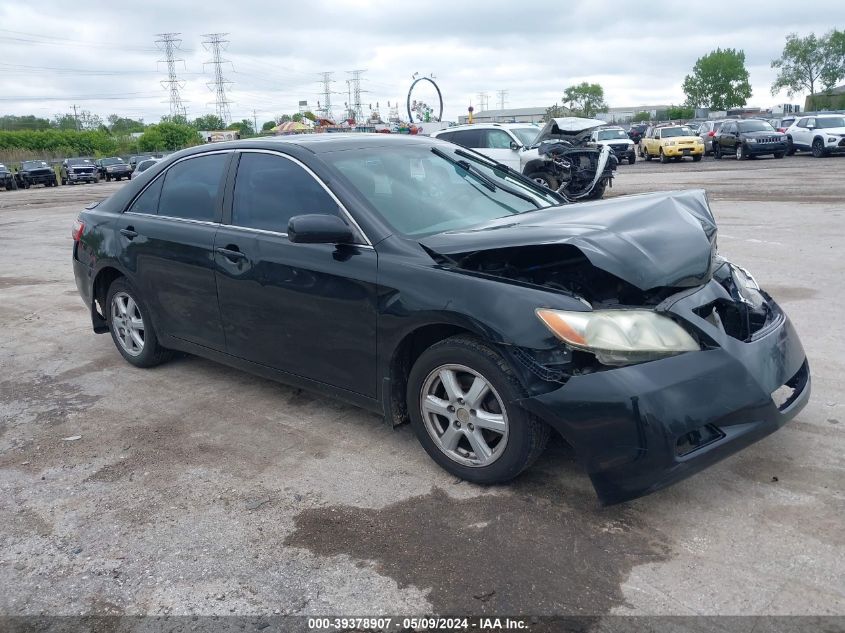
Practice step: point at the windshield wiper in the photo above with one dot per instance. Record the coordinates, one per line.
(510, 170)
(489, 184)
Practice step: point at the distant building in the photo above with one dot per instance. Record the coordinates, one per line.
(626, 114)
(786, 108)
(508, 115)
(833, 99)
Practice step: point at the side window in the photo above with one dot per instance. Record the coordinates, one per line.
(802, 123)
(657, 134)
(147, 202)
(468, 138)
(446, 136)
(269, 190)
(811, 122)
(497, 139)
(191, 188)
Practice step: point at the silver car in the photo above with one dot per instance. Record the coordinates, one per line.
(707, 131)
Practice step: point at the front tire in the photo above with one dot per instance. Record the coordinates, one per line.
(696, 158)
(460, 398)
(663, 158)
(818, 148)
(741, 152)
(544, 178)
(778, 154)
(632, 158)
(131, 328)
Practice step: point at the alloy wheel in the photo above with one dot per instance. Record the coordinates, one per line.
(464, 415)
(127, 324)
(739, 153)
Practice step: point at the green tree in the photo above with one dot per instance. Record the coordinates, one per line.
(673, 113)
(168, 136)
(122, 126)
(719, 81)
(244, 127)
(11, 123)
(808, 63)
(268, 125)
(296, 118)
(585, 99)
(309, 115)
(639, 117)
(209, 122)
(285, 118)
(554, 111)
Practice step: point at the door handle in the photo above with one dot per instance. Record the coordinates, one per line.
(129, 232)
(233, 254)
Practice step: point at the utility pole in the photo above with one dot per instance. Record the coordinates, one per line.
(350, 114)
(327, 82)
(502, 94)
(169, 43)
(214, 43)
(254, 121)
(355, 102)
(76, 117)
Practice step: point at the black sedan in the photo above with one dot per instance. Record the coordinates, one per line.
(434, 285)
(748, 139)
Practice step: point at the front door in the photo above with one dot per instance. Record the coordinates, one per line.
(168, 234)
(497, 145)
(307, 309)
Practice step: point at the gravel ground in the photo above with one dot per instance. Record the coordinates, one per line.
(197, 489)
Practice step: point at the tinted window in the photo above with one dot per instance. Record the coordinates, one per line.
(269, 190)
(191, 187)
(147, 202)
(446, 136)
(802, 123)
(497, 139)
(467, 138)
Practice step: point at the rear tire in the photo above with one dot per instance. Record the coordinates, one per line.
(447, 374)
(632, 158)
(790, 147)
(131, 327)
(646, 155)
(717, 151)
(778, 154)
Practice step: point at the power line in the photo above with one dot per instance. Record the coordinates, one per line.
(169, 43)
(483, 101)
(215, 43)
(327, 82)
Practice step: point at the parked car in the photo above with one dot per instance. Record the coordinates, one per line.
(748, 138)
(142, 166)
(781, 125)
(617, 140)
(500, 141)
(35, 172)
(113, 168)
(74, 170)
(420, 280)
(706, 131)
(636, 131)
(671, 142)
(7, 178)
(821, 134)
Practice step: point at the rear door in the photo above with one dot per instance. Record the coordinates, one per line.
(801, 134)
(307, 309)
(168, 239)
(496, 144)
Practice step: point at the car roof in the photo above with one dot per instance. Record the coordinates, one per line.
(476, 126)
(318, 143)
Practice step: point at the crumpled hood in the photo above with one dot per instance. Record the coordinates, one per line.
(649, 240)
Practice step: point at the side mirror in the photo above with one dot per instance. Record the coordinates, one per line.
(318, 229)
(515, 146)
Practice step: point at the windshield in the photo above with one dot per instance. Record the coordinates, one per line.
(829, 122)
(33, 164)
(754, 126)
(419, 193)
(78, 161)
(526, 135)
(668, 132)
(112, 161)
(608, 135)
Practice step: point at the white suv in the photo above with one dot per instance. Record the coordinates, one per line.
(500, 141)
(821, 134)
(617, 140)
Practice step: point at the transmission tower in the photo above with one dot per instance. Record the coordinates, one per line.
(483, 101)
(169, 43)
(356, 93)
(326, 107)
(502, 94)
(215, 43)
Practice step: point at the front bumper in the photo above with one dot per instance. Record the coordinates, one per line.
(81, 177)
(674, 150)
(630, 425)
(40, 179)
(759, 149)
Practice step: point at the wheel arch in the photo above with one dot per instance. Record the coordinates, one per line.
(99, 290)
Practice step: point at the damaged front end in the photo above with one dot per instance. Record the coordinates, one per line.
(668, 358)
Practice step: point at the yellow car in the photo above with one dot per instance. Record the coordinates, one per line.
(671, 141)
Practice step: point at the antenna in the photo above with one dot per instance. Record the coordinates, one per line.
(215, 43)
(169, 43)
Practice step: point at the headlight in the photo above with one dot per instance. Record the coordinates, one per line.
(832, 139)
(751, 140)
(670, 142)
(619, 337)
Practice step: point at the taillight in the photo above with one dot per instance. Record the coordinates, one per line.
(711, 134)
(781, 129)
(76, 231)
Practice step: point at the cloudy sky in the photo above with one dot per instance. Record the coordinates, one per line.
(104, 59)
